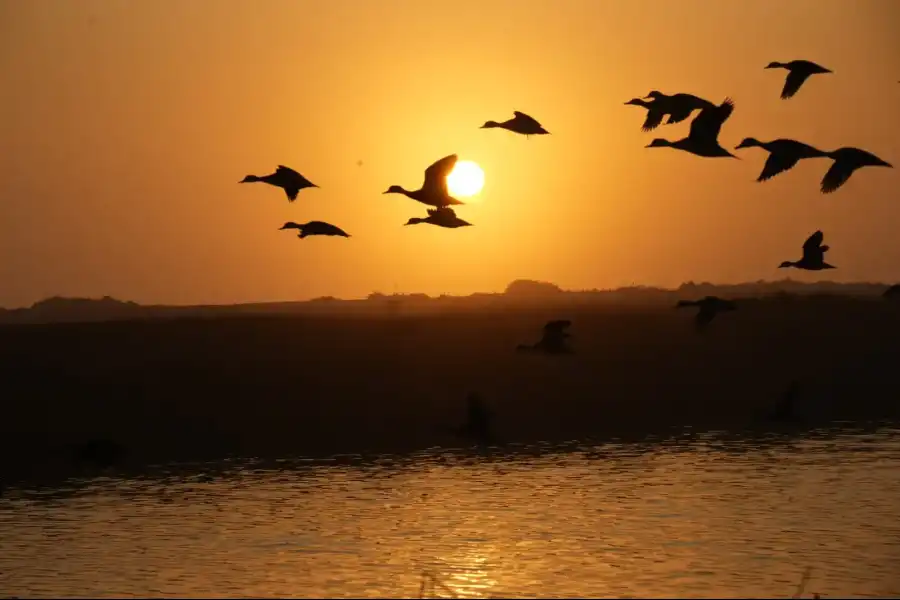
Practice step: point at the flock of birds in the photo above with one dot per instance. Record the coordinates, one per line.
(702, 140)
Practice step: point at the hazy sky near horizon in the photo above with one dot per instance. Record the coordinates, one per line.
(126, 125)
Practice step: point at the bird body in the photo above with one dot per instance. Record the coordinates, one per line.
(846, 161)
(798, 72)
(315, 228)
(442, 217)
(521, 123)
(813, 255)
(679, 106)
(709, 307)
(284, 177)
(703, 137)
(434, 191)
(784, 154)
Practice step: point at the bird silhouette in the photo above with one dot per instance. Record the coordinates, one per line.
(813, 255)
(553, 340)
(442, 217)
(284, 177)
(703, 137)
(520, 123)
(846, 161)
(315, 228)
(679, 106)
(798, 72)
(434, 190)
(709, 307)
(655, 112)
(784, 154)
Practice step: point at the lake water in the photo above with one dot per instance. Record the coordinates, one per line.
(692, 515)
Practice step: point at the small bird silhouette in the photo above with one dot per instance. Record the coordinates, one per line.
(679, 106)
(798, 72)
(315, 228)
(520, 123)
(846, 161)
(442, 217)
(709, 307)
(434, 190)
(284, 177)
(553, 341)
(703, 137)
(784, 154)
(813, 255)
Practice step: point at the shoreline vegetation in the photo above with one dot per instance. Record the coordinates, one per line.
(204, 386)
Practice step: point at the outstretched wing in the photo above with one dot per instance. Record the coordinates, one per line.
(654, 118)
(836, 176)
(436, 175)
(813, 244)
(777, 163)
(793, 82)
(520, 116)
(287, 171)
(708, 123)
(443, 211)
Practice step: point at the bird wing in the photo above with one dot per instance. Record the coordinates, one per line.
(436, 175)
(836, 176)
(680, 113)
(520, 116)
(286, 171)
(708, 123)
(813, 243)
(793, 81)
(654, 118)
(443, 212)
(777, 163)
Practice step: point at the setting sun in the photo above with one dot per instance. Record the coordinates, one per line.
(466, 179)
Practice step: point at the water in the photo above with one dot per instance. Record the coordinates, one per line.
(691, 516)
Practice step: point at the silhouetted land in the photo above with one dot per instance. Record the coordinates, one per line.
(391, 379)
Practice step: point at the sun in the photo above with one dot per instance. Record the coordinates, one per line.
(466, 179)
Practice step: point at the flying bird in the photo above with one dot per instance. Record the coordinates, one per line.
(520, 123)
(703, 137)
(846, 161)
(784, 154)
(315, 228)
(679, 106)
(798, 72)
(813, 255)
(442, 217)
(553, 341)
(709, 307)
(284, 177)
(434, 190)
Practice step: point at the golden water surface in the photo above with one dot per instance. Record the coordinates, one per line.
(688, 516)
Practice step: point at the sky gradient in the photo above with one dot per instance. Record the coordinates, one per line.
(126, 126)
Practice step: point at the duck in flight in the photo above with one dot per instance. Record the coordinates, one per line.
(702, 139)
(520, 123)
(709, 307)
(434, 190)
(813, 255)
(442, 217)
(679, 106)
(798, 72)
(284, 177)
(315, 228)
(784, 154)
(553, 341)
(846, 161)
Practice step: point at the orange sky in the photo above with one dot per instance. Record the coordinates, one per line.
(126, 125)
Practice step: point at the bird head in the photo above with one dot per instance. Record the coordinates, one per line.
(290, 225)
(249, 179)
(786, 264)
(636, 102)
(394, 189)
(659, 143)
(415, 221)
(490, 125)
(774, 65)
(654, 94)
(748, 143)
